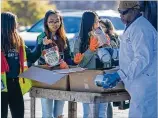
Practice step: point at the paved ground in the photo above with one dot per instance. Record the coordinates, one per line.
(116, 113)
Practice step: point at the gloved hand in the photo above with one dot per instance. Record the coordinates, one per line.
(93, 44)
(63, 65)
(78, 58)
(44, 40)
(110, 80)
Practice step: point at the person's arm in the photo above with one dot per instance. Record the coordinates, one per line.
(143, 46)
(33, 55)
(88, 54)
(67, 54)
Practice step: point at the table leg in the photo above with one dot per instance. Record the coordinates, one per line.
(72, 109)
(33, 106)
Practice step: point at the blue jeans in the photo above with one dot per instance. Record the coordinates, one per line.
(88, 110)
(52, 108)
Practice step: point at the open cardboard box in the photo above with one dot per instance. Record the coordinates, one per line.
(62, 84)
(44, 77)
(73, 79)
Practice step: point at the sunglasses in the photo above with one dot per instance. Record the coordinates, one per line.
(127, 10)
(124, 12)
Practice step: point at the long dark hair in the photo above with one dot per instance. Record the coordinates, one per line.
(88, 19)
(109, 26)
(61, 42)
(10, 39)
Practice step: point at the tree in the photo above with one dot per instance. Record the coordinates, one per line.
(28, 12)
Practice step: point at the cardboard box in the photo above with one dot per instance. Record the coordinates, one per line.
(74, 79)
(62, 84)
(45, 78)
(84, 81)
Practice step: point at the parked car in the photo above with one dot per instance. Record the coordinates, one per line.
(72, 24)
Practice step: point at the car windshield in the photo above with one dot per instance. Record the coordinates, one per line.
(116, 22)
(72, 24)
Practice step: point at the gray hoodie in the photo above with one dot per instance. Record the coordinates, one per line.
(89, 59)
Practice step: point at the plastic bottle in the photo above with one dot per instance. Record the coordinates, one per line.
(102, 40)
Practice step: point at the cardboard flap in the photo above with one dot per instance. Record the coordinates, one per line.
(71, 70)
(42, 75)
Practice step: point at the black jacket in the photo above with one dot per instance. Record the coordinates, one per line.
(12, 57)
(66, 53)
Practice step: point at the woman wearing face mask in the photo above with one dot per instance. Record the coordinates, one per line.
(85, 55)
(54, 33)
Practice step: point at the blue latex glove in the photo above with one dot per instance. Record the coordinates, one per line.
(110, 80)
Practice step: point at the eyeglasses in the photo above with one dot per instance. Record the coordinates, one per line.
(52, 22)
(124, 12)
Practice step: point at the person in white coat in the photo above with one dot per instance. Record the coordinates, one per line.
(137, 62)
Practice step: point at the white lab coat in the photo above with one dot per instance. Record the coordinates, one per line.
(138, 67)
